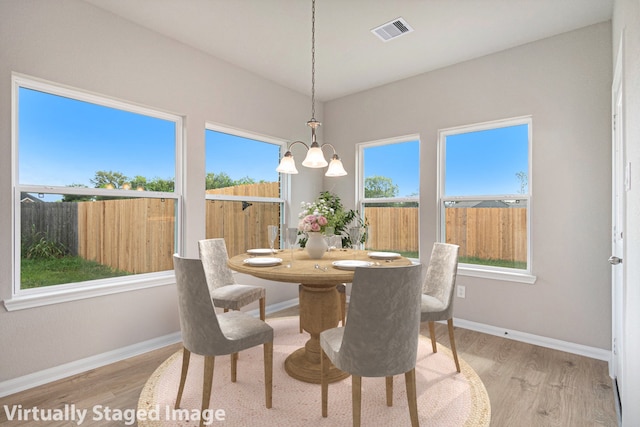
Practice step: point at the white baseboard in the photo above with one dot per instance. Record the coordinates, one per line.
(569, 347)
(45, 376)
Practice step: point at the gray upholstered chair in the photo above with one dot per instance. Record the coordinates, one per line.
(437, 292)
(208, 334)
(225, 292)
(342, 291)
(381, 337)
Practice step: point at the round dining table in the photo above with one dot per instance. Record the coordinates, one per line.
(319, 299)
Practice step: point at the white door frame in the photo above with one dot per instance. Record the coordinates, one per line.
(620, 185)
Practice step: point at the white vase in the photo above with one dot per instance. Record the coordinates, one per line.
(316, 245)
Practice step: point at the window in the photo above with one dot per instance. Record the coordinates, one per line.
(95, 191)
(484, 196)
(388, 191)
(243, 189)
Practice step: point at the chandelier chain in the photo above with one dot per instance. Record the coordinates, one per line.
(314, 158)
(313, 59)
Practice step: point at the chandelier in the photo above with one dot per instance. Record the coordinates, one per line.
(315, 157)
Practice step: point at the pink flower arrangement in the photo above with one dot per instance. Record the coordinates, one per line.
(313, 222)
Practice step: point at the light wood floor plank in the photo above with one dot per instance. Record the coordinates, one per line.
(535, 386)
(527, 385)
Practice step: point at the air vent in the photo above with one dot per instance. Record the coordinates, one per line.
(392, 29)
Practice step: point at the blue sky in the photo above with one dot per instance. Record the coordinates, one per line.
(400, 162)
(259, 160)
(55, 134)
(241, 157)
(486, 162)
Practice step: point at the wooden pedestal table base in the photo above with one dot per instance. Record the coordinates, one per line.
(319, 302)
(319, 310)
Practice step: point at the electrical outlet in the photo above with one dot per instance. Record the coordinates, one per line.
(461, 291)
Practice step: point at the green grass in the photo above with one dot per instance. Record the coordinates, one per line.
(493, 262)
(37, 273)
(473, 260)
(406, 254)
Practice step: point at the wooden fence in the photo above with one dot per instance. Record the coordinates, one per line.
(242, 224)
(53, 221)
(393, 228)
(134, 235)
(262, 189)
(485, 233)
(138, 235)
(488, 233)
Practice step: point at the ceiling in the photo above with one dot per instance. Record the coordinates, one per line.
(272, 38)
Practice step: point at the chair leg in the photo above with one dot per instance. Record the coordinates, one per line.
(343, 306)
(389, 382)
(186, 355)
(432, 334)
(324, 384)
(356, 398)
(453, 344)
(206, 385)
(262, 308)
(300, 314)
(234, 366)
(268, 373)
(412, 398)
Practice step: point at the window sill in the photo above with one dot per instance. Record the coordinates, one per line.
(32, 298)
(507, 276)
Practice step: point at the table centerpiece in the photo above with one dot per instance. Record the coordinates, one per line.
(325, 213)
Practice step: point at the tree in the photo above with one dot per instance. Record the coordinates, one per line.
(379, 186)
(524, 181)
(118, 180)
(220, 180)
(76, 197)
(244, 181)
(109, 179)
(223, 180)
(139, 183)
(159, 184)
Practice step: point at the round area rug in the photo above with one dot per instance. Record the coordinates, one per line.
(445, 397)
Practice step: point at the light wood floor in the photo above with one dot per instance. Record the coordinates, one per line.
(527, 385)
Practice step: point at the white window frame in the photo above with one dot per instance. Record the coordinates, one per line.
(360, 181)
(35, 297)
(285, 187)
(475, 270)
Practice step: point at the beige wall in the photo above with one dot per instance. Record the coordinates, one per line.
(73, 43)
(626, 19)
(564, 83)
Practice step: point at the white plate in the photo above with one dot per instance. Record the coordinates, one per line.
(260, 251)
(384, 255)
(351, 264)
(263, 261)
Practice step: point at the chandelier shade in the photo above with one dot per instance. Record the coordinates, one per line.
(335, 167)
(314, 158)
(287, 164)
